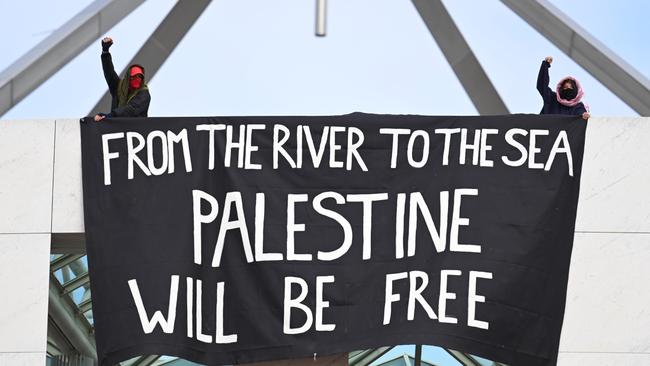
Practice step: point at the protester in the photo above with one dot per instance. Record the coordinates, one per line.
(566, 99)
(130, 95)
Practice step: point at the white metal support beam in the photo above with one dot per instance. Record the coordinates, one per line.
(162, 42)
(617, 75)
(462, 60)
(366, 357)
(46, 58)
(321, 17)
(461, 357)
(76, 330)
(146, 360)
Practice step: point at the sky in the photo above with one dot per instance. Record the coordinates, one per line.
(260, 57)
(256, 57)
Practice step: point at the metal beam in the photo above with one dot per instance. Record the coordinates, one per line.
(63, 261)
(72, 360)
(46, 58)
(69, 321)
(76, 283)
(462, 60)
(356, 356)
(321, 17)
(368, 356)
(57, 342)
(85, 305)
(463, 358)
(162, 42)
(612, 71)
(146, 360)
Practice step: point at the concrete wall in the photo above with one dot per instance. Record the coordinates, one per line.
(26, 171)
(607, 320)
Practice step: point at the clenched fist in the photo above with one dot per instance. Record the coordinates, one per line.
(107, 42)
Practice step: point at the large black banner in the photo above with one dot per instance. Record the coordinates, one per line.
(238, 239)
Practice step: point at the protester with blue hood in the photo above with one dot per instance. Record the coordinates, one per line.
(130, 94)
(566, 99)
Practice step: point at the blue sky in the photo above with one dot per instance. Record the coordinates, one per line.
(248, 57)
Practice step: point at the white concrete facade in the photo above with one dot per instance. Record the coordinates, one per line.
(607, 319)
(26, 156)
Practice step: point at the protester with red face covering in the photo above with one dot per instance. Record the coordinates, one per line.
(130, 95)
(566, 99)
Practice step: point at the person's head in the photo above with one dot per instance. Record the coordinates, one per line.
(568, 84)
(136, 77)
(568, 89)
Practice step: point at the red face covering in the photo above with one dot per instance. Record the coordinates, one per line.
(135, 82)
(136, 77)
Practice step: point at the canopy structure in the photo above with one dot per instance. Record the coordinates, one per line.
(34, 68)
(70, 320)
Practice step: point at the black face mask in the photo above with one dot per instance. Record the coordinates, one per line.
(568, 94)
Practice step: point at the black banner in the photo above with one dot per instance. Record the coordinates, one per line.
(238, 239)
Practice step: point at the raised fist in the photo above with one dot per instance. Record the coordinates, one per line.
(107, 42)
(548, 59)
